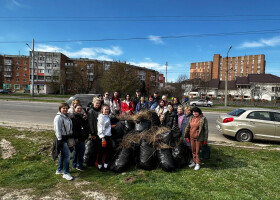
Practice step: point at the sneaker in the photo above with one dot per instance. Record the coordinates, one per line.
(59, 172)
(191, 165)
(197, 167)
(80, 168)
(67, 176)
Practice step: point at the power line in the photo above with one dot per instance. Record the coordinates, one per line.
(158, 37)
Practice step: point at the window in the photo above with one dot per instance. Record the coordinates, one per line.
(17, 74)
(261, 115)
(17, 62)
(25, 62)
(25, 68)
(17, 86)
(24, 74)
(17, 80)
(236, 112)
(276, 117)
(17, 67)
(24, 80)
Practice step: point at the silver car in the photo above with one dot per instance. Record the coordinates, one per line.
(246, 124)
(201, 102)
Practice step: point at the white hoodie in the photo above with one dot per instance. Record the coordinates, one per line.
(62, 125)
(103, 126)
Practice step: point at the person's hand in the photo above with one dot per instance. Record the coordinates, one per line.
(113, 125)
(205, 143)
(103, 142)
(188, 140)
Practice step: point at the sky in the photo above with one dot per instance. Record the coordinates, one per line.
(146, 33)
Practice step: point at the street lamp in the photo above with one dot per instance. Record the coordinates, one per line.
(32, 67)
(226, 78)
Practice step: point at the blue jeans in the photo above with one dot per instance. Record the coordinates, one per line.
(78, 155)
(64, 159)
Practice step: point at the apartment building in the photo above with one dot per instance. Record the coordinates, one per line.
(240, 66)
(15, 72)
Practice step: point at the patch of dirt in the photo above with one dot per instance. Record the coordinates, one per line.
(81, 184)
(7, 149)
(18, 194)
(26, 126)
(97, 196)
(58, 195)
(129, 179)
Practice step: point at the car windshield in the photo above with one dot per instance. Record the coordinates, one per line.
(236, 112)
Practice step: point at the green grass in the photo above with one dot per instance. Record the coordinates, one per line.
(231, 173)
(32, 100)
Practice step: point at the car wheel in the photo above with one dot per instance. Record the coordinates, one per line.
(208, 105)
(244, 136)
(193, 104)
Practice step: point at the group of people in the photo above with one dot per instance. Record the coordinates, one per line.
(73, 125)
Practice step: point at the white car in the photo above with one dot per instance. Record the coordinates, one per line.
(201, 102)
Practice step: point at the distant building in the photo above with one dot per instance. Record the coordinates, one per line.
(240, 66)
(54, 72)
(255, 86)
(15, 72)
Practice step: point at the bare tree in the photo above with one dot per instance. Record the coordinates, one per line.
(121, 78)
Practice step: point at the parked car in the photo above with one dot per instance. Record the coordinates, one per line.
(84, 98)
(201, 102)
(3, 91)
(246, 124)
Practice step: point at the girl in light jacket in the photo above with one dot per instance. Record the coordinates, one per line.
(63, 131)
(104, 135)
(161, 109)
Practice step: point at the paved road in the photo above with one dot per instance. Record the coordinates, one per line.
(37, 114)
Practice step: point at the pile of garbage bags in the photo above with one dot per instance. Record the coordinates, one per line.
(140, 140)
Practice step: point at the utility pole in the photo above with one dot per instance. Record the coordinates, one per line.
(32, 67)
(166, 64)
(32, 80)
(226, 78)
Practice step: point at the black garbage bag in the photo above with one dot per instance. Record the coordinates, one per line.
(91, 150)
(147, 156)
(176, 135)
(121, 163)
(142, 125)
(118, 130)
(155, 119)
(166, 160)
(128, 126)
(179, 157)
(165, 137)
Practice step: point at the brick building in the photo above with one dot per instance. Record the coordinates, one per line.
(240, 66)
(15, 75)
(56, 73)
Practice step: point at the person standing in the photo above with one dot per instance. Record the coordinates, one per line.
(137, 98)
(188, 114)
(170, 118)
(196, 132)
(63, 132)
(156, 97)
(115, 104)
(152, 103)
(106, 99)
(161, 109)
(80, 133)
(104, 137)
(142, 105)
(164, 97)
(71, 110)
(175, 103)
(127, 106)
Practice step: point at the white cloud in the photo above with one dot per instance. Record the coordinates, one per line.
(150, 65)
(13, 4)
(93, 53)
(271, 42)
(156, 39)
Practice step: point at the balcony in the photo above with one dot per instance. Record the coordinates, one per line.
(8, 74)
(8, 68)
(7, 62)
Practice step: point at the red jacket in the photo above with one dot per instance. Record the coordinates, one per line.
(125, 107)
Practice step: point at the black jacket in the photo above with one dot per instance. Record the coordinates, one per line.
(80, 127)
(170, 120)
(55, 149)
(92, 121)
